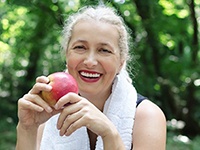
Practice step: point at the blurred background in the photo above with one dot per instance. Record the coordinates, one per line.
(166, 48)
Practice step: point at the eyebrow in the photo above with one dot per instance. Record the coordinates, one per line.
(80, 40)
(101, 43)
(109, 45)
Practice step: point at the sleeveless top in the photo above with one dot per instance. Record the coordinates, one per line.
(140, 98)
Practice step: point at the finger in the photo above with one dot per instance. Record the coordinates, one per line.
(23, 103)
(42, 79)
(76, 125)
(69, 98)
(68, 122)
(37, 100)
(69, 110)
(38, 87)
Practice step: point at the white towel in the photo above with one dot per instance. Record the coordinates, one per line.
(119, 108)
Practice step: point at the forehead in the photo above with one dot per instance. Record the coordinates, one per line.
(96, 30)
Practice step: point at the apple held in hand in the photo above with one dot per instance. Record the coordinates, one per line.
(62, 83)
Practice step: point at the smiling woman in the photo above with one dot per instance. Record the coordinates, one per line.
(106, 113)
(90, 58)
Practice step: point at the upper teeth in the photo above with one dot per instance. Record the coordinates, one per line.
(90, 74)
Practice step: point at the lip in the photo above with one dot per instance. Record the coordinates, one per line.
(89, 79)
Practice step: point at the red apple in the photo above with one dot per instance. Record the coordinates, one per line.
(62, 83)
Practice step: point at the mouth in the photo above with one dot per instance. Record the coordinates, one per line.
(90, 76)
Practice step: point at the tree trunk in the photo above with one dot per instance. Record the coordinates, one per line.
(192, 126)
(195, 43)
(144, 9)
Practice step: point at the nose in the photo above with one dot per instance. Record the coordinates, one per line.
(90, 60)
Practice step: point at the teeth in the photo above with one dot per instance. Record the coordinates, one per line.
(90, 75)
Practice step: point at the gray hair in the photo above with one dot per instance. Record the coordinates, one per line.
(103, 14)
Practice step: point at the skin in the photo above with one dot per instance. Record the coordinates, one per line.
(88, 52)
(149, 130)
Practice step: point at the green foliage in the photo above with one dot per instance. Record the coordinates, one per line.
(163, 68)
(180, 142)
(7, 134)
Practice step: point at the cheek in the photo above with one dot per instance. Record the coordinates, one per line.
(72, 62)
(111, 65)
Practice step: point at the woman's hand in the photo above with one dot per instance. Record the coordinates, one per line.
(32, 109)
(80, 112)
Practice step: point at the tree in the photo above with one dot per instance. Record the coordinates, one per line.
(165, 37)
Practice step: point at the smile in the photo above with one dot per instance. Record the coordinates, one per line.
(89, 76)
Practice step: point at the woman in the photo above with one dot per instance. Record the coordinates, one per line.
(104, 114)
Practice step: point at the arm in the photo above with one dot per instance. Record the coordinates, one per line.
(32, 113)
(149, 130)
(113, 140)
(80, 113)
(29, 138)
(26, 138)
(39, 135)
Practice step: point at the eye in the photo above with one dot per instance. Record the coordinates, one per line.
(103, 50)
(79, 47)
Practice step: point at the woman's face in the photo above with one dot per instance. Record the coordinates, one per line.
(93, 56)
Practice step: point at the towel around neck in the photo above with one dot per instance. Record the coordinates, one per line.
(119, 108)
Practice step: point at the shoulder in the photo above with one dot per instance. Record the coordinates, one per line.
(148, 110)
(150, 126)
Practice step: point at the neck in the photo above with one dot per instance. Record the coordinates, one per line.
(97, 99)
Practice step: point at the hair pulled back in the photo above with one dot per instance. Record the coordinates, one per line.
(102, 14)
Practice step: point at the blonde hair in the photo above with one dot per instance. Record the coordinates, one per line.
(102, 14)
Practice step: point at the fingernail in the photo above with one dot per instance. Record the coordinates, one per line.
(56, 106)
(49, 109)
(49, 87)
